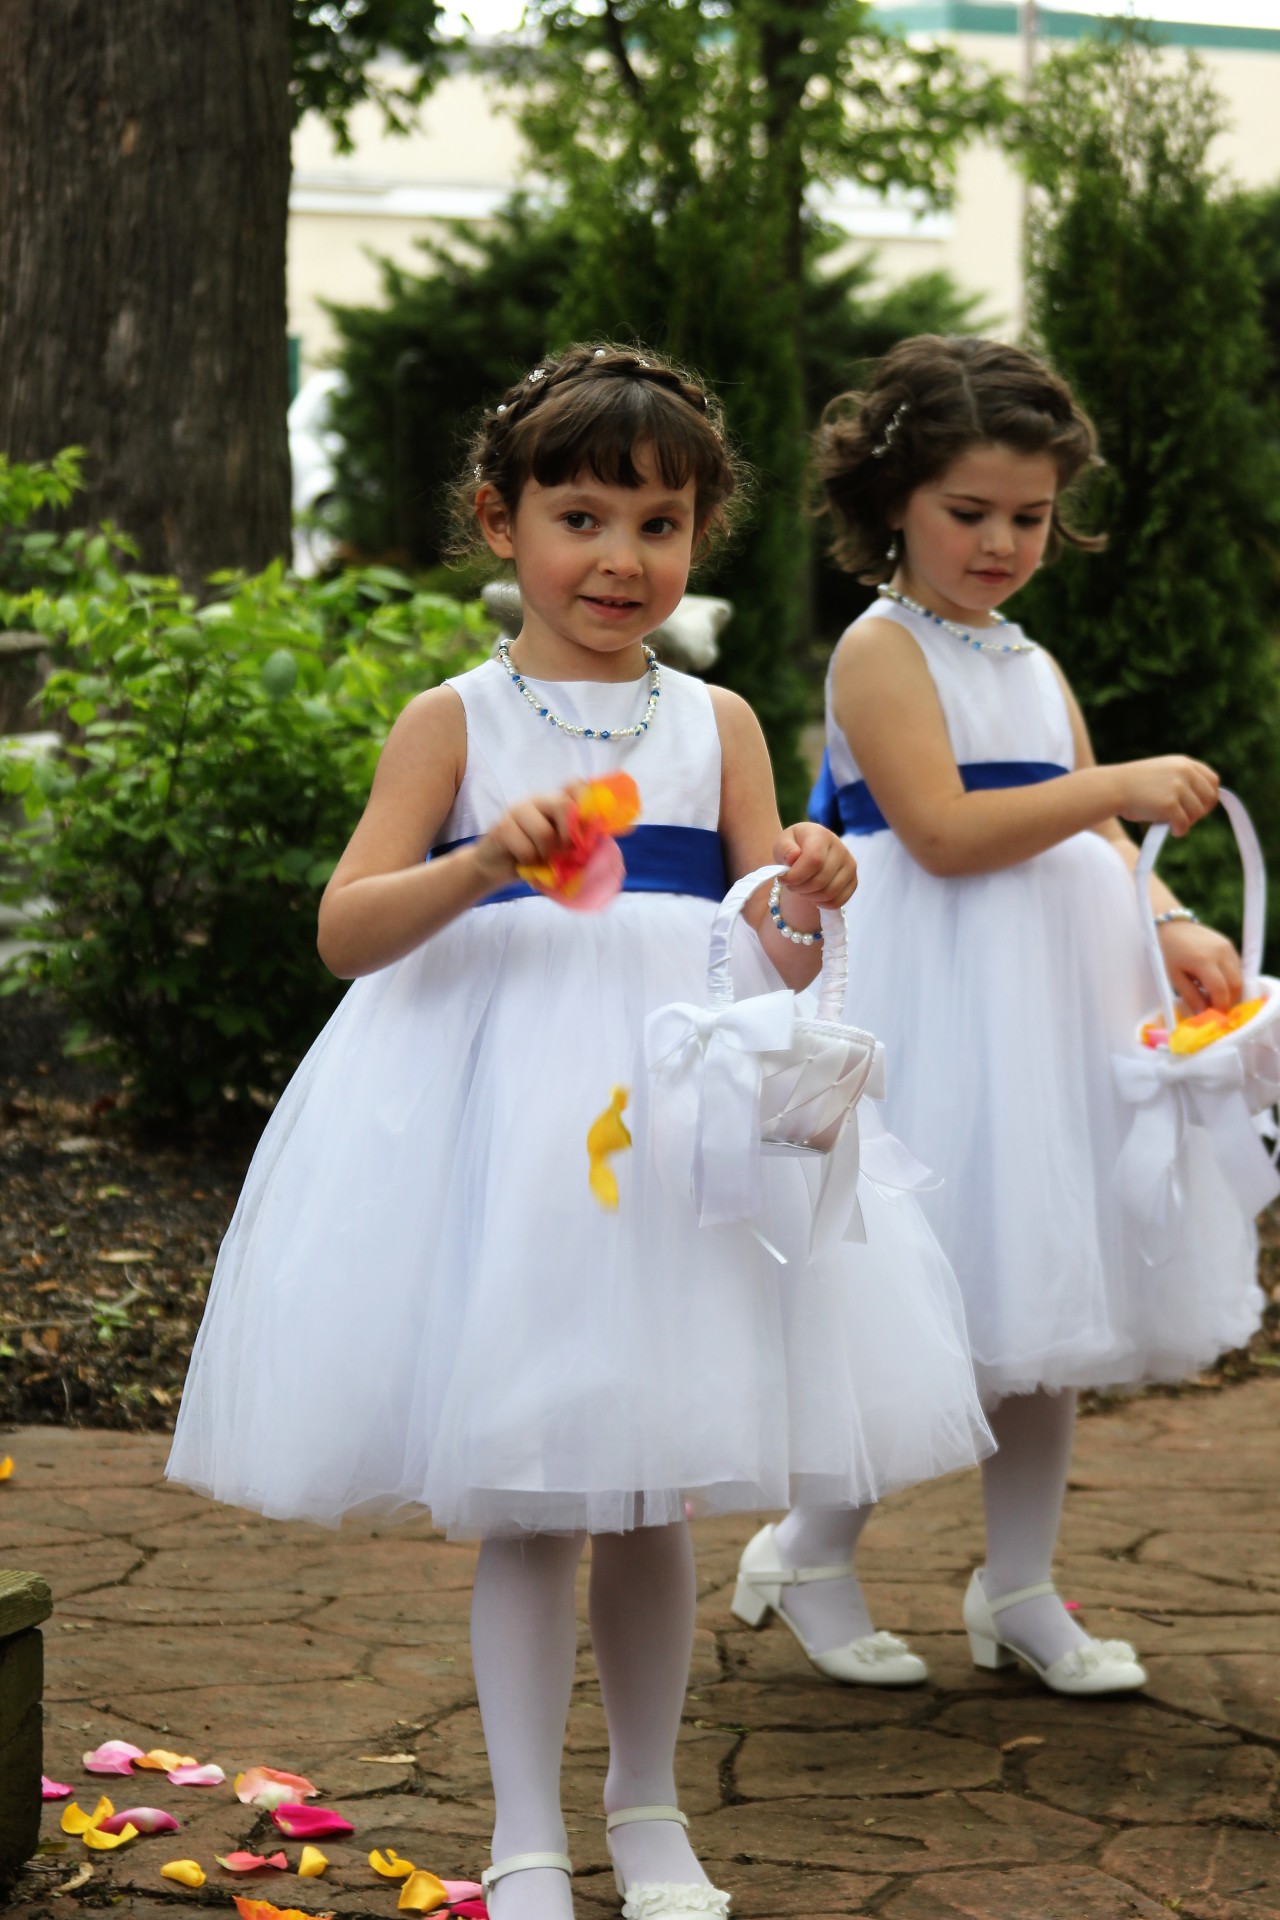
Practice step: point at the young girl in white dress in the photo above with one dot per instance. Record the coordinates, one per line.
(995, 947)
(420, 1302)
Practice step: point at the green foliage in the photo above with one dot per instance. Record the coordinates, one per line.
(1145, 297)
(218, 757)
(334, 44)
(684, 142)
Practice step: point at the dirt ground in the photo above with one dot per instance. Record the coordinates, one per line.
(108, 1239)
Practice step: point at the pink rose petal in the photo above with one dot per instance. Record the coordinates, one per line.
(309, 1823)
(462, 1890)
(600, 880)
(52, 1790)
(113, 1756)
(269, 1787)
(206, 1776)
(250, 1862)
(470, 1910)
(145, 1819)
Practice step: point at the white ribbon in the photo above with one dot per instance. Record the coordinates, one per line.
(1172, 1092)
(706, 1069)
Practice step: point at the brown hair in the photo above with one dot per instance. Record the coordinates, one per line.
(930, 400)
(586, 411)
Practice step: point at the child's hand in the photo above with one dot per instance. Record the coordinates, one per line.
(527, 834)
(1172, 790)
(1204, 967)
(822, 869)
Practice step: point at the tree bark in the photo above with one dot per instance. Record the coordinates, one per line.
(144, 173)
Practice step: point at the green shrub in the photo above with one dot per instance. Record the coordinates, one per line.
(219, 756)
(1146, 296)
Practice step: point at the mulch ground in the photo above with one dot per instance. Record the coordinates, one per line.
(108, 1239)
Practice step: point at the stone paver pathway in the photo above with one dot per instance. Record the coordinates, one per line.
(344, 1657)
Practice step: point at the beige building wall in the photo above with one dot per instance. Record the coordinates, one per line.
(465, 159)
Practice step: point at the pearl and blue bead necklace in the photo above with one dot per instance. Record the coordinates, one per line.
(642, 725)
(961, 633)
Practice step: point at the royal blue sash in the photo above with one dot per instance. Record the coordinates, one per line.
(851, 809)
(659, 860)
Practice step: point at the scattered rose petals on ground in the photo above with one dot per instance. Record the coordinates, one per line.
(422, 1892)
(268, 1787)
(113, 1756)
(463, 1890)
(196, 1776)
(188, 1873)
(263, 1910)
(312, 1863)
(250, 1862)
(309, 1823)
(103, 1840)
(53, 1789)
(145, 1819)
(76, 1820)
(390, 1865)
(6, 1467)
(161, 1761)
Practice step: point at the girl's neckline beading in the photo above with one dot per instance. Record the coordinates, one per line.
(545, 712)
(967, 636)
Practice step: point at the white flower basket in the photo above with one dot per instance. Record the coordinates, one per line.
(1220, 1088)
(739, 1078)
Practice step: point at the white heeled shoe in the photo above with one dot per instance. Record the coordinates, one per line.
(1099, 1666)
(521, 1863)
(663, 1899)
(874, 1660)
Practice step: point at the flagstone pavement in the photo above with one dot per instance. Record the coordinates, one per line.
(344, 1656)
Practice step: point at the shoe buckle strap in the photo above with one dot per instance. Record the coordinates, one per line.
(521, 1863)
(795, 1576)
(1020, 1594)
(627, 1815)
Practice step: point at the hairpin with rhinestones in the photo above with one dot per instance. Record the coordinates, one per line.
(891, 431)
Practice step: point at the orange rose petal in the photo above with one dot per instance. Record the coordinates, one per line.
(263, 1910)
(423, 1893)
(390, 1865)
(158, 1761)
(269, 1787)
(188, 1873)
(312, 1863)
(6, 1467)
(76, 1820)
(103, 1842)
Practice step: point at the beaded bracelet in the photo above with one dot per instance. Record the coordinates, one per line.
(788, 933)
(1177, 913)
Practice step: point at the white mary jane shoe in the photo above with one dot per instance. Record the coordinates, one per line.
(1100, 1666)
(875, 1660)
(663, 1899)
(520, 1863)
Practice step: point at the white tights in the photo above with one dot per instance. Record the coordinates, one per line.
(1023, 1486)
(524, 1646)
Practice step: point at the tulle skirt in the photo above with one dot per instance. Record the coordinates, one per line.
(1002, 998)
(420, 1304)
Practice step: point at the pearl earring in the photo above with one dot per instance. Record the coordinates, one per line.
(892, 554)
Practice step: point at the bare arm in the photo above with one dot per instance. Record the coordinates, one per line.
(1203, 965)
(384, 897)
(888, 709)
(822, 871)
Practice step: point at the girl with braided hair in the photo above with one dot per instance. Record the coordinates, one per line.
(995, 947)
(420, 1302)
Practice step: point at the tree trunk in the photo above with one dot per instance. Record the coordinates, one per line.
(144, 169)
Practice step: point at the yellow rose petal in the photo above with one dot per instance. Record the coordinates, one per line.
(188, 1873)
(76, 1820)
(390, 1865)
(312, 1863)
(104, 1842)
(423, 1893)
(6, 1467)
(159, 1760)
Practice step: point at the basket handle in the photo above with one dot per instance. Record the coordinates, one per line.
(835, 948)
(1255, 897)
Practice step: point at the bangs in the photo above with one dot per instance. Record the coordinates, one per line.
(599, 426)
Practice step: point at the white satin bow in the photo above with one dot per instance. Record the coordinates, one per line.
(706, 1069)
(1172, 1093)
